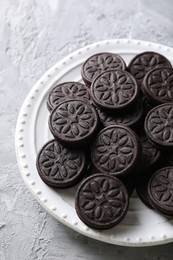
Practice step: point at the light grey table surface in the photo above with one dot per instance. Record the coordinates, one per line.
(34, 35)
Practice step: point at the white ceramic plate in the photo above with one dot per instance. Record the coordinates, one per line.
(142, 226)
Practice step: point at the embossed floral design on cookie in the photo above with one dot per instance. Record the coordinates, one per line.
(99, 63)
(146, 61)
(60, 166)
(116, 150)
(157, 85)
(73, 121)
(65, 91)
(159, 125)
(101, 201)
(114, 90)
(129, 118)
(161, 190)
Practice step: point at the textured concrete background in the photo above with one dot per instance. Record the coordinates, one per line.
(34, 35)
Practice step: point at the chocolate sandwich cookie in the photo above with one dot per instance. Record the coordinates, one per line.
(101, 201)
(146, 61)
(67, 90)
(150, 155)
(73, 122)
(99, 63)
(114, 90)
(157, 86)
(130, 118)
(141, 185)
(59, 166)
(159, 126)
(160, 189)
(127, 180)
(116, 150)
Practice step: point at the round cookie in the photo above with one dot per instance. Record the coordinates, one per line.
(116, 150)
(129, 118)
(101, 201)
(159, 126)
(160, 189)
(157, 86)
(114, 90)
(59, 166)
(73, 122)
(99, 63)
(67, 90)
(146, 61)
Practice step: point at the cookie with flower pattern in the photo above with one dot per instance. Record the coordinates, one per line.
(144, 62)
(65, 91)
(160, 189)
(59, 166)
(73, 121)
(130, 118)
(101, 201)
(114, 90)
(116, 150)
(159, 126)
(157, 85)
(99, 63)
(128, 181)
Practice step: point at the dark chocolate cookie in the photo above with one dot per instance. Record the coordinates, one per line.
(129, 118)
(59, 166)
(114, 90)
(116, 150)
(141, 185)
(99, 63)
(159, 126)
(157, 85)
(127, 180)
(101, 201)
(150, 155)
(146, 61)
(73, 121)
(65, 91)
(160, 189)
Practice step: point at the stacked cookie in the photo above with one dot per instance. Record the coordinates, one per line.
(113, 133)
